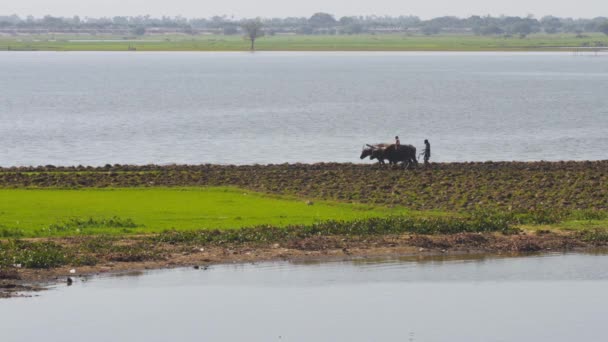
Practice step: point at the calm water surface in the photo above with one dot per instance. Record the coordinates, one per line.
(182, 107)
(546, 298)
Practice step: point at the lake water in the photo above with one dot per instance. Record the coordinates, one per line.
(94, 108)
(543, 298)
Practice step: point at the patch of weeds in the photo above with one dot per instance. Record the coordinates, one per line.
(544, 216)
(96, 244)
(78, 225)
(594, 236)
(540, 216)
(6, 232)
(133, 253)
(588, 215)
(33, 254)
(370, 226)
(85, 260)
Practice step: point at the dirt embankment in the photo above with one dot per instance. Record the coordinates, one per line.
(520, 186)
(142, 253)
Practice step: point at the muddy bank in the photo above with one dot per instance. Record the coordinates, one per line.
(517, 186)
(139, 253)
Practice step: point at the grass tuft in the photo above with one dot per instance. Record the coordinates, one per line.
(77, 225)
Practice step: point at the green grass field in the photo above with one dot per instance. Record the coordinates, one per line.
(381, 42)
(53, 212)
(119, 211)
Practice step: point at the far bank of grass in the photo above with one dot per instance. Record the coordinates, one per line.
(59, 212)
(363, 42)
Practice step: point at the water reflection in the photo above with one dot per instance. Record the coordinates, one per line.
(556, 297)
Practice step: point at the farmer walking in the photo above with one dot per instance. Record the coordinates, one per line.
(427, 152)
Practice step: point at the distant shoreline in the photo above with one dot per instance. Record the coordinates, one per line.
(338, 43)
(523, 50)
(565, 50)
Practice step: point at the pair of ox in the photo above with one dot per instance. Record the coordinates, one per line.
(405, 154)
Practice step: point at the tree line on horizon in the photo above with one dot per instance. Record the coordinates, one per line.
(318, 23)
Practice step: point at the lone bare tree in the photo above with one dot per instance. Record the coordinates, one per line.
(253, 30)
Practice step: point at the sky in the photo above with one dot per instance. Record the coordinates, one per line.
(304, 8)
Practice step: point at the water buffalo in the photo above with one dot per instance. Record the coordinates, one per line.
(392, 153)
(374, 152)
(402, 153)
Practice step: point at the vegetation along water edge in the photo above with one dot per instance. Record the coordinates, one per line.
(88, 220)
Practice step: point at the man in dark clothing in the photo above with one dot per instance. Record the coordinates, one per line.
(427, 152)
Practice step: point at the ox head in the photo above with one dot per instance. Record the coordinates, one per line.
(367, 151)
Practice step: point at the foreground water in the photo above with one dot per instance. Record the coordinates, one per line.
(544, 298)
(94, 108)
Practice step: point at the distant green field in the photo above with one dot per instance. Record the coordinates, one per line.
(46, 212)
(381, 42)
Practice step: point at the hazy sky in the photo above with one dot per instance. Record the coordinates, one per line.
(269, 8)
